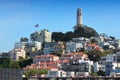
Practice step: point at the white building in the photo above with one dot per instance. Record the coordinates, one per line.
(36, 44)
(20, 45)
(110, 63)
(41, 36)
(16, 53)
(28, 46)
(53, 47)
(109, 58)
(73, 47)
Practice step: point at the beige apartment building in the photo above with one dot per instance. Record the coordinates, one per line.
(15, 54)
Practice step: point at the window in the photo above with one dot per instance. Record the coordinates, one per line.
(53, 73)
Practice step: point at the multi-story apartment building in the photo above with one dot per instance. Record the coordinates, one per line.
(22, 45)
(110, 62)
(80, 67)
(77, 44)
(73, 46)
(41, 36)
(53, 47)
(59, 47)
(28, 46)
(15, 54)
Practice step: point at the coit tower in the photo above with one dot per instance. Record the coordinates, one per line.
(79, 16)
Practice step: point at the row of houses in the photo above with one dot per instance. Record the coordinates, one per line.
(42, 43)
(73, 57)
(69, 62)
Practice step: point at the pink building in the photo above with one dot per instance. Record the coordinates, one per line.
(45, 58)
(45, 62)
(74, 56)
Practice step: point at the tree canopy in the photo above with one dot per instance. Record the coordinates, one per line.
(95, 55)
(32, 72)
(79, 31)
(8, 63)
(84, 31)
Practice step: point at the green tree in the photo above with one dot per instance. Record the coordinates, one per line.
(43, 71)
(79, 32)
(95, 55)
(84, 31)
(68, 36)
(90, 32)
(5, 62)
(14, 64)
(58, 36)
(25, 62)
(32, 72)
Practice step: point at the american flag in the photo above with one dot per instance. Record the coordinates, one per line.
(36, 25)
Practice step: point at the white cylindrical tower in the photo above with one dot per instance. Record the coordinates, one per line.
(79, 16)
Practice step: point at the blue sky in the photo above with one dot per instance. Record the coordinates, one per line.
(18, 17)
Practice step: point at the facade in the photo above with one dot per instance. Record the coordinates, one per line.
(111, 62)
(22, 45)
(73, 47)
(4, 55)
(93, 46)
(35, 53)
(115, 72)
(44, 58)
(81, 66)
(59, 47)
(28, 46)
(16, 53)
(76, 62)
(45, 62)
(53, 47)
(36, 44)
(110, 66)
(59, 73)
(96, 66)
(41, 36)
(49, 47)
(49, 50)
(109, 58)
(74, 56)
